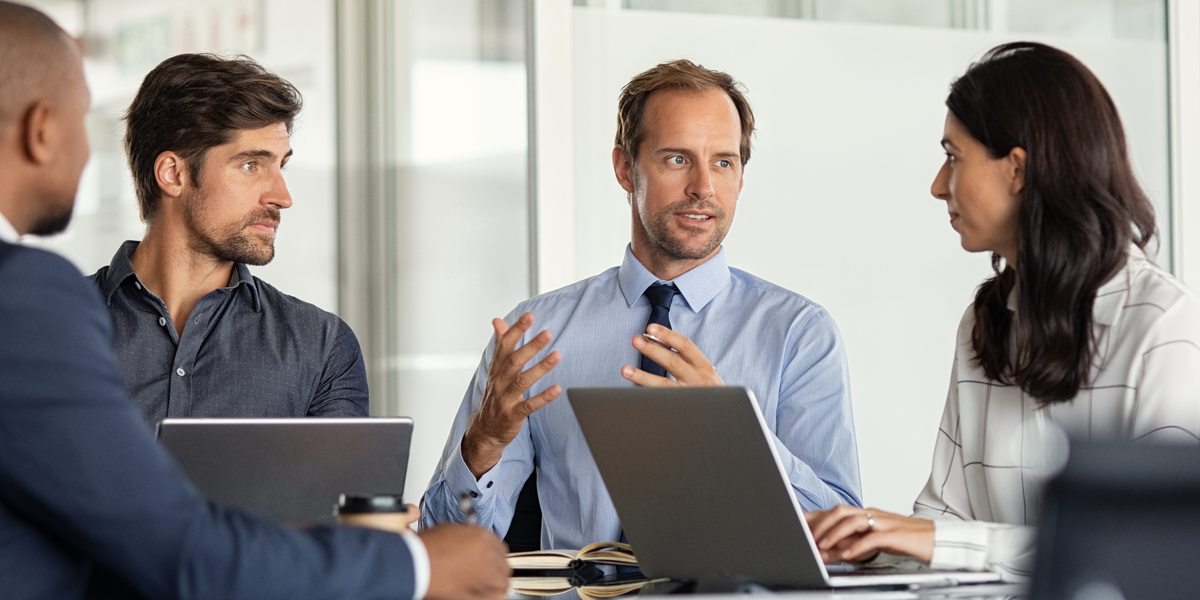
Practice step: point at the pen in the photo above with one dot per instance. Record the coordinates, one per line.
(659, 342)
(467, 505)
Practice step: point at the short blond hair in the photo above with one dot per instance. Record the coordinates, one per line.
(676, 75)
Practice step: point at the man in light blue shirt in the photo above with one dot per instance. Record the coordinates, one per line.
(683, 139)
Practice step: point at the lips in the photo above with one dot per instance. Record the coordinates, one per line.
(265, 222)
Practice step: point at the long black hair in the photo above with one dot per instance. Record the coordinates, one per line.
(1081, 209)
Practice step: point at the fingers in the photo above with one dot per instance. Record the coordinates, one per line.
(657, 353)
(525, 380)
(510, 362)
(412, 515)
(818, 522)
(847, 533)
(688, 366)
(852, 525)
(686, 348)
(859, 548)
(465, 562)
(535, 403)
(645, 379)
(821, 521)
(506, 337)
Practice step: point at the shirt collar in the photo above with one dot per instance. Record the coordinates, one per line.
(698, 286)
(8, 233)
(121, 269)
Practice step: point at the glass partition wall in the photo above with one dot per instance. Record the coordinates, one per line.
(432, 198)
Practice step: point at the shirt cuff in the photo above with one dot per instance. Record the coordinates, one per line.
(461, 481)
(959, 545)
(421, 570)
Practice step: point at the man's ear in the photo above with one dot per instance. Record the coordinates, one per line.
(623, 168)
(1016, 158)
(35, 133)
(171, 172)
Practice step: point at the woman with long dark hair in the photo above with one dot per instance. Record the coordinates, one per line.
(1077, 328)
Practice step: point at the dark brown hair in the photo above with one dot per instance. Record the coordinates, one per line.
(1081, 209)
(676, 75)
(193, 102)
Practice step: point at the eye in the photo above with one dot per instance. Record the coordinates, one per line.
(676, 160)
(724, 164)
(247, 166)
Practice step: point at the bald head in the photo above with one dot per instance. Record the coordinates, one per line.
(43, 121)
(35, 57)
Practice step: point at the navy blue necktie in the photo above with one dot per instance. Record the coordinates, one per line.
(660, 296)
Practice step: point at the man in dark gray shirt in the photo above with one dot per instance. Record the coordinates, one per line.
(196, 334)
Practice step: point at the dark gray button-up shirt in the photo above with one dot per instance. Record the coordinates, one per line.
(247, 350)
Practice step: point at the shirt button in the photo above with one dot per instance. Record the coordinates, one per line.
(181, 372)
(474, 494)
(162, 321)
(489, 484)
(137, 285)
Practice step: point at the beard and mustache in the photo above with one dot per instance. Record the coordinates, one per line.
(658, 228)
(232, 243)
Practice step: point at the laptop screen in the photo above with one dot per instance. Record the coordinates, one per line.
(290, 470)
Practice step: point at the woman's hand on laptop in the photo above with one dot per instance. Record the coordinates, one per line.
(677, 355)
(851, 534)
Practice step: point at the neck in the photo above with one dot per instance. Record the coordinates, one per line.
(662, 265)
(1010, 259)
(16, 204)
(176, 273)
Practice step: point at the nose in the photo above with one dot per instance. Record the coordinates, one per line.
(278, 195)
(941, 183)
(700, 184)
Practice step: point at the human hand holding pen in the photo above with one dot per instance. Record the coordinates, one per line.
(677, 355)
(465, 562)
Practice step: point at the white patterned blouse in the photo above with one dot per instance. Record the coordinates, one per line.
(984, 491)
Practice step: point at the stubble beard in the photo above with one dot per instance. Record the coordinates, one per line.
(233, 243)
(55, 222)
(676, 246)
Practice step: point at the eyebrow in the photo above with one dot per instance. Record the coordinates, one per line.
(256, 154)
(690, 153)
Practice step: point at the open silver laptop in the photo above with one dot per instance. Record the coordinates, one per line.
(291, 470)
(703, 496)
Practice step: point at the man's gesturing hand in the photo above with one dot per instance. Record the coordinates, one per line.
(504, 408)
(689, 366)
(465, 562)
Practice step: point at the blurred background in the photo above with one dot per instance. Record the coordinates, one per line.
(452, 160)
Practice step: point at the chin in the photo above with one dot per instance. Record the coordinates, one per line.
(52, 224)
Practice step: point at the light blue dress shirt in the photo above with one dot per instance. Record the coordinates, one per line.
(779, 344)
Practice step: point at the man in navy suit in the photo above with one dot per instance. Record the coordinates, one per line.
(90, 506)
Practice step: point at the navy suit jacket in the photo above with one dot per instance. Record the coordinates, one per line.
(87, 495)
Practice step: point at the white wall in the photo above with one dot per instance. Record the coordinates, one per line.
(836, 204)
